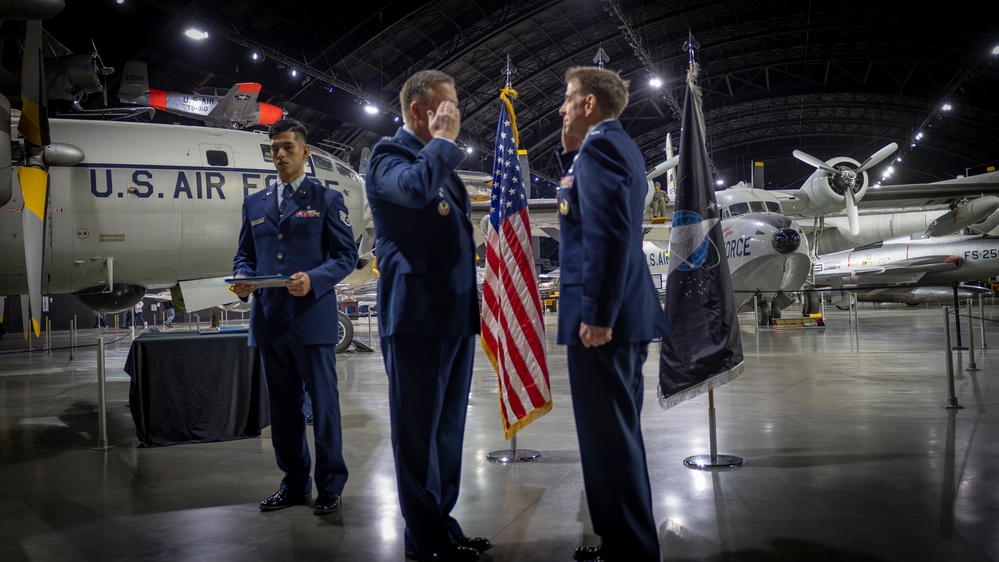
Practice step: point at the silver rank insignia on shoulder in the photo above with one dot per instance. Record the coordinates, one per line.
(443, 208)
(344, 218)
(563, 207)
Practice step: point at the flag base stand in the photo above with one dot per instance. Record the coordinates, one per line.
(713, 460)
(703, 462)
(513, 454)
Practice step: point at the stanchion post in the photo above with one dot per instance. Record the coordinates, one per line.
(713, 459)
(513, 454)
(72, 337)
(369, 325)
(48, 335)
(951, 396)
(756, 310)
(102, 410)
(971, 340)
(981, 319)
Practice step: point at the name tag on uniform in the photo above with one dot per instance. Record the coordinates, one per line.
(256, 222)
(307, 214)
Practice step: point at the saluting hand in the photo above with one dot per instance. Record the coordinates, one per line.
(446, 122)
(569, 142)
(299, 285)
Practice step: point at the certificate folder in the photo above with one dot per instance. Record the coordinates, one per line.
(262, 280)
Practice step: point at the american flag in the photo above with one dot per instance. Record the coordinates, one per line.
(513, 331)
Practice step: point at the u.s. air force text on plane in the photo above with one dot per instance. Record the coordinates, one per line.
(171, 182)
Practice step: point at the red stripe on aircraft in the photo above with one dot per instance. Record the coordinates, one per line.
(157, 99)
(249, 87)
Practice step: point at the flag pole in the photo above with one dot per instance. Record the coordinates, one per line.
(513, 454)
(701, 358)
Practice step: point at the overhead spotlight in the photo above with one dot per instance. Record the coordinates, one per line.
(946, 107)
(899, 159)
(655, 82)
(294, 72)
(719, 181)
(537, 178)
(995, 50)
(120, 1)
(396, 118)
(919, 135)
(257, 56)
(370, 109)
(889, 171)
(196, 34)
(329, 88)
(469, 149)
(913, 145)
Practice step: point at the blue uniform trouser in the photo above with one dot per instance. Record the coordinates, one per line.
(429, 378)
(607, 393)
(290, 371)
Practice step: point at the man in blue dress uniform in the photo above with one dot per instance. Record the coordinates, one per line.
(428, 310)
(298, 228)
(609, 311)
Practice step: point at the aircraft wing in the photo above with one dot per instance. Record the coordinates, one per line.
(936, 193)
(237, 106)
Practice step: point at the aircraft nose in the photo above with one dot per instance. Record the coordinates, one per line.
(786, 240)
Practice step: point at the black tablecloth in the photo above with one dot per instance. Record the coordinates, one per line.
(190, 388)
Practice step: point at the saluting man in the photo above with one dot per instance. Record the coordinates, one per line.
(298, 228)
(428, 310)
(609, 311)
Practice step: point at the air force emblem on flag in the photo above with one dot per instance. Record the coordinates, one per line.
(344, 218)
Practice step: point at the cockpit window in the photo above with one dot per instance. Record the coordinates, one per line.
(738, 209)
(774, 207)
(757, 207)
(265, 149)
(345, 171)
(873, 246)
(322, 163)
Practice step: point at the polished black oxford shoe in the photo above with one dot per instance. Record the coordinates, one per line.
(456, 554)
(327, 503)
(591, 553)
(284, 498)
(480, 544)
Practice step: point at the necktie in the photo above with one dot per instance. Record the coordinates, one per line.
(286, 198)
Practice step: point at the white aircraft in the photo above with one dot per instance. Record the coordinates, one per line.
(140, 207)
(235, 108)
(908, 262)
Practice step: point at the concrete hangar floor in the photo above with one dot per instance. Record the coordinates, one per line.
(849, 454)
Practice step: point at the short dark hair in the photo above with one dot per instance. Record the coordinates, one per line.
(286, 125)
(420, 87)
(607, 86)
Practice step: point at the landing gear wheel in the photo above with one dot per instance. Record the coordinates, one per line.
(775, 310)
(345, 332)
(763, 314)
(810, 303)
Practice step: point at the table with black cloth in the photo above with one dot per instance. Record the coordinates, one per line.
(193, 388)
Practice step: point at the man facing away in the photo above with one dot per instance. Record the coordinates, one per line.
(428, 310)
(298, 228)
(609, 313)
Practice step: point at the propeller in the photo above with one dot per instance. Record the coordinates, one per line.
(843, 179)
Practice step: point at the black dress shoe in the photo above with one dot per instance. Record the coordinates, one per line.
(587, 553)
(327, 503)
(284, 498)
(480, 544)
(456, 554)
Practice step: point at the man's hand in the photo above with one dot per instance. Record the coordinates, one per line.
(593, 336)
(300, 284)
(243, 290)
(569, 142)
(446, 122)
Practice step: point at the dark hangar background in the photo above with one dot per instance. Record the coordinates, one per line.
(829, 78)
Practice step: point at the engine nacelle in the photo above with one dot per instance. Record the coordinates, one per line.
(825, 193)
(121, 297)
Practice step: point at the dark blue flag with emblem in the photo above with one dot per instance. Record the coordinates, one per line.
(705, 349)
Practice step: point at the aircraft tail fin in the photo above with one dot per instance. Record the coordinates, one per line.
(134, 81)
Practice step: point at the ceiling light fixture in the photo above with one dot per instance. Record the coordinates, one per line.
(370, 109)
(196, 34)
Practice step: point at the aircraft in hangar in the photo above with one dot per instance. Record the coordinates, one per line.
(146, 207)
(909, 266)
(236, 108)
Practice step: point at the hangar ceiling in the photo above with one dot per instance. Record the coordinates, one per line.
(831, 78)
